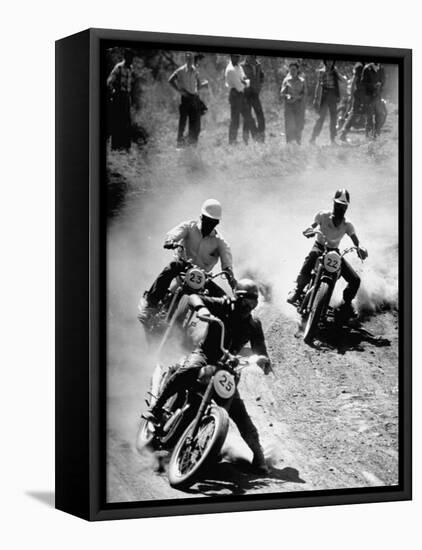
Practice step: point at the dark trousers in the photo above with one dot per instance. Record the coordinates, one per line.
(238, 106)
(328, 104)
(162, 282)
(294, 120)
(375, 115)
(252, 102)
(347, 272)
(186, 376)
(355, 109)
(121, 125)
(189, 112)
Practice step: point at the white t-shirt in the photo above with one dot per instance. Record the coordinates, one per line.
(333, 233)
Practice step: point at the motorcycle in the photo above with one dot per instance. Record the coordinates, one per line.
(200, 444)
(175, 414)
(195, 420)
(174, 306)
(314, 306)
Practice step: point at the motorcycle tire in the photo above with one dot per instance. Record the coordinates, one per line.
(315, 313)
(183, 474)
(146, 435)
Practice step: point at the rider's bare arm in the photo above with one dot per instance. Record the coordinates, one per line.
(309, 229)
(362, 252)
(355, 239)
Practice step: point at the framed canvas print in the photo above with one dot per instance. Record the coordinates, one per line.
(233, 274)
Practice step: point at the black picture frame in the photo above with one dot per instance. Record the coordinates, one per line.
(80, 278)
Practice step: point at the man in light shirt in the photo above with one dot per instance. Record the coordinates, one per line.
(185, 80)
(203, 245)
(333, 225)
(236, 81)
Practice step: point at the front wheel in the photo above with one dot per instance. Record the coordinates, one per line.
(320, 301)
(191, 457)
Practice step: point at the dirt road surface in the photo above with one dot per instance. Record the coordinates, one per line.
(328, 417)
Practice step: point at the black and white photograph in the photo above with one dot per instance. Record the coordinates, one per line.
(252, 273)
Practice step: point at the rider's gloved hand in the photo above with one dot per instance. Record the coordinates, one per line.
(362, 253)
(169, 245)
(264, 363)
(232, 360)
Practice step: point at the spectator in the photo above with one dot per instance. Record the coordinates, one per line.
(120, 85)
(236, 81)
(357, 99)
(254, 73)
(293, 91)
(327, 94)
(185, 80)
(373, 80)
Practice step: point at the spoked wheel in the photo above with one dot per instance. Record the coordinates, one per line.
(314, 317)
(191, 457)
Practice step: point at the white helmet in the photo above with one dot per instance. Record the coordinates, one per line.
(212, 209)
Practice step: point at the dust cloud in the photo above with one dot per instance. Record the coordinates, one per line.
(264, 213)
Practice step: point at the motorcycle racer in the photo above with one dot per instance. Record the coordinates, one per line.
(203, 245)
(333, 225)
(240, 328)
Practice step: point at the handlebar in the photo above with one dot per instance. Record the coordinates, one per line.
(240, 362)
(346, 251)
(224, 274)
(208, 318)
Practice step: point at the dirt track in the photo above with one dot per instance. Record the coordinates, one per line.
(327, 419)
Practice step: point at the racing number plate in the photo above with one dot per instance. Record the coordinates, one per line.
(332, 261)
(195, 278)
(224, 384)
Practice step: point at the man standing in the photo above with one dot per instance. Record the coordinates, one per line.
(293, 91)
(373, 80)
(327, 95)
(185, 80)
(254, 73)
(120, 85)
(236, 82)
(357, 99)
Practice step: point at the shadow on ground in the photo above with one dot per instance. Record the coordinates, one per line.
(45, 497)
(238, 479)
(344, 338)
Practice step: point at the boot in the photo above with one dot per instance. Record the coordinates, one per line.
(294, 295)
(258, 463)
(346, 311)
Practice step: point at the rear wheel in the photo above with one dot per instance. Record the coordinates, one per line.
(318, 306)
(191, 457)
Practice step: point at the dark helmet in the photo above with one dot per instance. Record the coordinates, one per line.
(342, 196)
(246, 288)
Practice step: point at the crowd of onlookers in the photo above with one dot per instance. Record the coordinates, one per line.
(244, 81)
